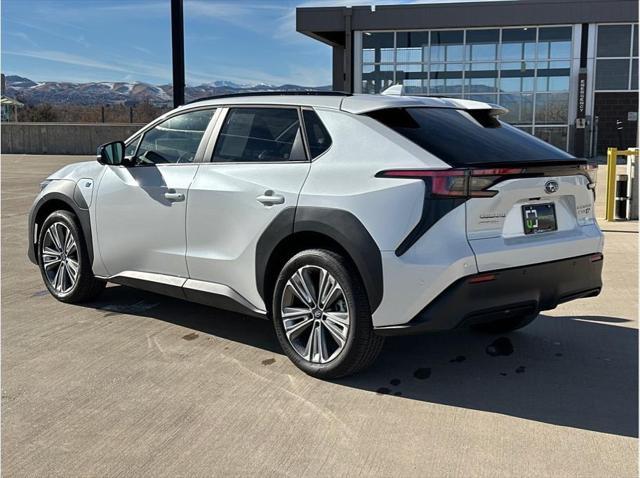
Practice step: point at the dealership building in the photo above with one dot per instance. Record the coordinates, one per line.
(567, 70)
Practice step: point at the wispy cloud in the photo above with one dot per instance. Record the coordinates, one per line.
(52, 32)
(23, 37)
(160, 72)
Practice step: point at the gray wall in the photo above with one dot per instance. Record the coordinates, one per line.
(61, 138)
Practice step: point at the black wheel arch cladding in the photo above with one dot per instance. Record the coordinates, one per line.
(61, 191)
(338, 225)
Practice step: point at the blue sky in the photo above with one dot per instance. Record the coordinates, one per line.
(244, 41)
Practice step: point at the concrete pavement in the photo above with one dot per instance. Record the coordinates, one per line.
(137, 384)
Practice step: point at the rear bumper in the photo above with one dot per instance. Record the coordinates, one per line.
(514, 292)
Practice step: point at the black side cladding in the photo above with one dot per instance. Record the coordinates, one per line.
(280, 228)
(338, 225)
(350, 233)
(63, 191)
(433, 209)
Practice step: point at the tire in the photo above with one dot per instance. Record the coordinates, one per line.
(345, 313)
(506, 325)
(57, 263)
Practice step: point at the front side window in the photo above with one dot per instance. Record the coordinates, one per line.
(260, 134)
(131, 148)
(317, 135)
(175, 140)
(467, 137)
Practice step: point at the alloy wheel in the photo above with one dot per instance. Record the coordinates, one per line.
(315, 314)
(60, 258)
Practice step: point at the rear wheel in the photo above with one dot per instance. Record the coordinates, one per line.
(506, 325)
(64, 260)
(322, 317)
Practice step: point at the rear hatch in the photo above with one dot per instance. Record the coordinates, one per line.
(536, 214)
(526, 201)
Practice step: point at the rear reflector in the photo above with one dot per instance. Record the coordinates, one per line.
(596, 257)
(481, 278)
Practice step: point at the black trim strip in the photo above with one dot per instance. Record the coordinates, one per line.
(515, 291)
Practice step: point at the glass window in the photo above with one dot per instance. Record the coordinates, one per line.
(481, 78)
(612, 74)
(260, 134)
(411, 72)
(520, 106)
(377, 47)
(317, 135)
(517, 76)
(483, 44)
(376, 78)
(634, 74)
(553, 76)
(492, 99)
(614, 40)
(486, 140)
(554, 42)
(635, 40)
(518, 44)
(552, 108)
(132, 146)
(448, 81)
(412, 47)
(414, 87)
(556, 136)
(175, 140)
(447, 45)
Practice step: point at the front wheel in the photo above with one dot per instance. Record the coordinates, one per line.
(64, 260)
(322, 317)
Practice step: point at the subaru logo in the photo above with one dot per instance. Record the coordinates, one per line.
(551, 186)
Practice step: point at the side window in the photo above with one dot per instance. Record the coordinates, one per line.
(260, 134)
(131, 148)
(175, 140)
(317, 135)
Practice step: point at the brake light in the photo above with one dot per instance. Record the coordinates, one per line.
(596, 257)
(461, 183)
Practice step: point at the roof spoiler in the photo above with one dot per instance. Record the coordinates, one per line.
(398, 90)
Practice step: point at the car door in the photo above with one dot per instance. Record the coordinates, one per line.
(140, 210)
(255, 173)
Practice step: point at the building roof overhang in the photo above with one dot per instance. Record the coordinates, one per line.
(328, 24)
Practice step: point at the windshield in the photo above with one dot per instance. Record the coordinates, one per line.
(467, 137)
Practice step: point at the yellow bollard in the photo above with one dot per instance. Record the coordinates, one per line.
(612, 157)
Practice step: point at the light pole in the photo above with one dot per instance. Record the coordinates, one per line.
(177, 49)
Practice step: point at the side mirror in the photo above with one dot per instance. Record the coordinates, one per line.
(111, 153)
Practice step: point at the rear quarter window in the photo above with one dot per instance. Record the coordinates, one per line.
(317, 135)
(467, 137)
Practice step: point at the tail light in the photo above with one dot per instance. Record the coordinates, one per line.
(456, 183)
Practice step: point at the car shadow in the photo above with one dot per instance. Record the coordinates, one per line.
(578, 371)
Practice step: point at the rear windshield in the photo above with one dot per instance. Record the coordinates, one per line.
(467, 137)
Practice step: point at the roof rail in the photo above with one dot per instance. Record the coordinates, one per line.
(272, 93)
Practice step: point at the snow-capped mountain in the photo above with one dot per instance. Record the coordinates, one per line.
(101, 93)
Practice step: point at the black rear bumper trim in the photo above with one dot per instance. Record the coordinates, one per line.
(513, 293)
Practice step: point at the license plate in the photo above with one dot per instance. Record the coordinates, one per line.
(539, 218)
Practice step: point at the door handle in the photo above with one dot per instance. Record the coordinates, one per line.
(269, 198)
(174, 197)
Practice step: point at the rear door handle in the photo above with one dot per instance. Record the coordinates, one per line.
(174, 197)
(269, 198)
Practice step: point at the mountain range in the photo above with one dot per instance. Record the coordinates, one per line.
(130, 94)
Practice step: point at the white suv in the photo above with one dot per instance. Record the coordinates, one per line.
(342, 218)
